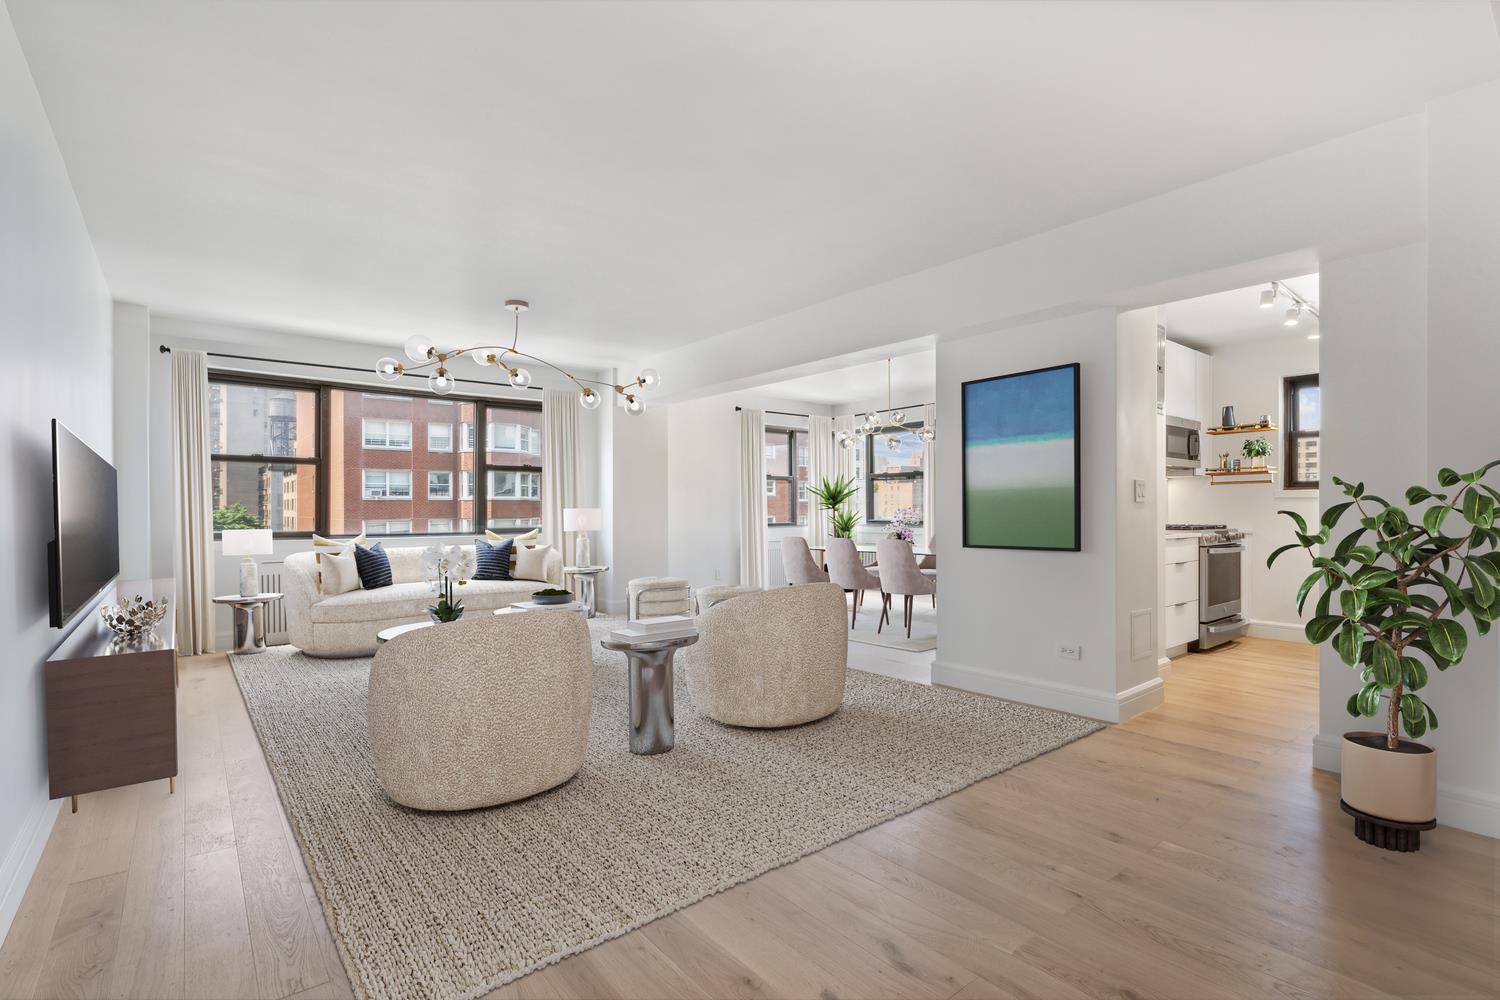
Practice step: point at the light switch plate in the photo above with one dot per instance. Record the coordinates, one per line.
(1070, 651)
(1140, 491)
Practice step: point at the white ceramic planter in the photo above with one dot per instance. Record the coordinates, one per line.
(1397, 785)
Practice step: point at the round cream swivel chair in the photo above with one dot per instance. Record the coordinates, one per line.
(481, 711)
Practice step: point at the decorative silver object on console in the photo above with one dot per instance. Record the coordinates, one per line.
(133, 618)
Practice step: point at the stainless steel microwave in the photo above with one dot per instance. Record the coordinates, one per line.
(1183, 456)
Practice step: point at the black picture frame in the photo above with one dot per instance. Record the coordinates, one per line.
(964, 391)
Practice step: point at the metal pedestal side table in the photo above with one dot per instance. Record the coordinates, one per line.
(249, 621)
(586, 575)
(652, 720)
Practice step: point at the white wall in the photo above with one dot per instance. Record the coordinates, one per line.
(55, 318)
(1248, 376)
(1138, 536)
(154, 396)
(636, 480)
(1004, 612)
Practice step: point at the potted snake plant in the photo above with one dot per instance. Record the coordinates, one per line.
(1395, 593)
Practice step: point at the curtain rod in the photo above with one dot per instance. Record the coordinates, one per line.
(164, 349)
(784, 413)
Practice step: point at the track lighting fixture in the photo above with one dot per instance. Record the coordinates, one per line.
(1293, 315)
(1268, 297)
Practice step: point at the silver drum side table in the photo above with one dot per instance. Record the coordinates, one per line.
(652, 720)
(586, 575)
(249, 621)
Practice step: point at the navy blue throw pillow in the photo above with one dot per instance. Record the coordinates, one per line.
(374, 566)
(492, 562)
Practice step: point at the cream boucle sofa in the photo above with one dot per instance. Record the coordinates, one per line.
(346, 624)
(770, 658)
(476, 713)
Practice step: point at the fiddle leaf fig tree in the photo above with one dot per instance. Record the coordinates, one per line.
(1396, 588)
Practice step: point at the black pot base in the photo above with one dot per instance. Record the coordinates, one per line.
(1390, 834)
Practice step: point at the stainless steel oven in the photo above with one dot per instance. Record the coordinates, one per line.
(1220, 555)
(1183, 457)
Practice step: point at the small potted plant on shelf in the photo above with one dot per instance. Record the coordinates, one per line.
(1395, 592)
(447, 567)
(833, 496)
(1256, 450)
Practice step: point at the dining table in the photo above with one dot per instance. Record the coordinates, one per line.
(864, 549)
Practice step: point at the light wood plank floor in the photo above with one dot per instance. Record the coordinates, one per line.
(1191, 852)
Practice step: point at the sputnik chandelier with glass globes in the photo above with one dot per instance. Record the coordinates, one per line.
(888, 421)
(423, 354)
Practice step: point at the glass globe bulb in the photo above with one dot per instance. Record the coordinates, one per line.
(483, 356)
(389, 369)
(441, 382)
(419, 348)
(926, 433)
(898, 417)
(520, 378)
(649, 378)
(589, 399)
(848, 442)
(634, 406)
(892, 442)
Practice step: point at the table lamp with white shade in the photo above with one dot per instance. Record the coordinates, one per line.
(248, 542)
(582, 520)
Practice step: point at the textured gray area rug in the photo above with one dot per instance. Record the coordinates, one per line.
(451, 906)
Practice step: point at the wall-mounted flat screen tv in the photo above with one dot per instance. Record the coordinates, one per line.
(84, 556)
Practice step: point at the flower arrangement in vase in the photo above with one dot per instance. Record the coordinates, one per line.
(904, 521)
(447, 567)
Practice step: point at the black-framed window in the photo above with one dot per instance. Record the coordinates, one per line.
(893, 473)
(1302, 416)
(787, 501)
(298, 457)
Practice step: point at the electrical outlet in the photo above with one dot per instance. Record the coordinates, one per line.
(716, 574)
(1068, 651)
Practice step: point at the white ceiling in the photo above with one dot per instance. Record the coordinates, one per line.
(649, 174)
(1210, 321)
(913, 380)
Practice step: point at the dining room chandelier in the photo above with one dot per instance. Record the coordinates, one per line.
(422, 355)
(889, 421)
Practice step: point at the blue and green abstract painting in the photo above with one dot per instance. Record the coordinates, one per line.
(1020, 460)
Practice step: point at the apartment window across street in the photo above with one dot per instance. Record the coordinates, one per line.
(387, 484)
(1303, 418)
(394, 434)
(893, 474)
(786, 476)
(300, 457)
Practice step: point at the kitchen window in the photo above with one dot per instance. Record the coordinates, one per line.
(1303, 418)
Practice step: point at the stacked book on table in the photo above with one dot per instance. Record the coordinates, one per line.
(655, 629)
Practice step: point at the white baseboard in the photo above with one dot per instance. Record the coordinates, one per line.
(1285, 631)
(1164, 667)
(1460, 808)
(1106, 706)
(21, 860)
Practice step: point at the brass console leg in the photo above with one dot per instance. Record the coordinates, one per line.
(172, 785)
(75, 802)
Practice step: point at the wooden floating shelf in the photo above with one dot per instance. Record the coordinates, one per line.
(1231, 477)
(1242, 429)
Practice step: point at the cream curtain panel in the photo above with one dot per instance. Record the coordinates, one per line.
(929, 481)
(560, 474)
(192, 490)
(752, 450)
(822, 464)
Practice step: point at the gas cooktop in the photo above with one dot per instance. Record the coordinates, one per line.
(1196, 527)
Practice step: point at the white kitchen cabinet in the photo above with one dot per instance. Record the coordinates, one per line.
(1180, 623)
(1189, 388)
(1180, 594)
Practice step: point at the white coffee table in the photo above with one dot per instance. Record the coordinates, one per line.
(521, 607)
(387, 634)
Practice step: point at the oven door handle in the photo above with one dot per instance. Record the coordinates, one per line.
(1214, 550)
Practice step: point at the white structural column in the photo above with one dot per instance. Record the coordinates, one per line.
(752, 448)
(559, 464)
(929, 479)
(821, 465)
(192, 488)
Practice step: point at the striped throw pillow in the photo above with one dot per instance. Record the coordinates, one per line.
(374, 566)
(492, 562)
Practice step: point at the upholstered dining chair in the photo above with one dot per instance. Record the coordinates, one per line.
(846, 570)
(899, 575)
(928, 563)
(797, 561)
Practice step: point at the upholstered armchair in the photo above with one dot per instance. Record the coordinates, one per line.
(772, 658)
(798, 563)
(484, 710)
(847, 570)
(899, 574)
